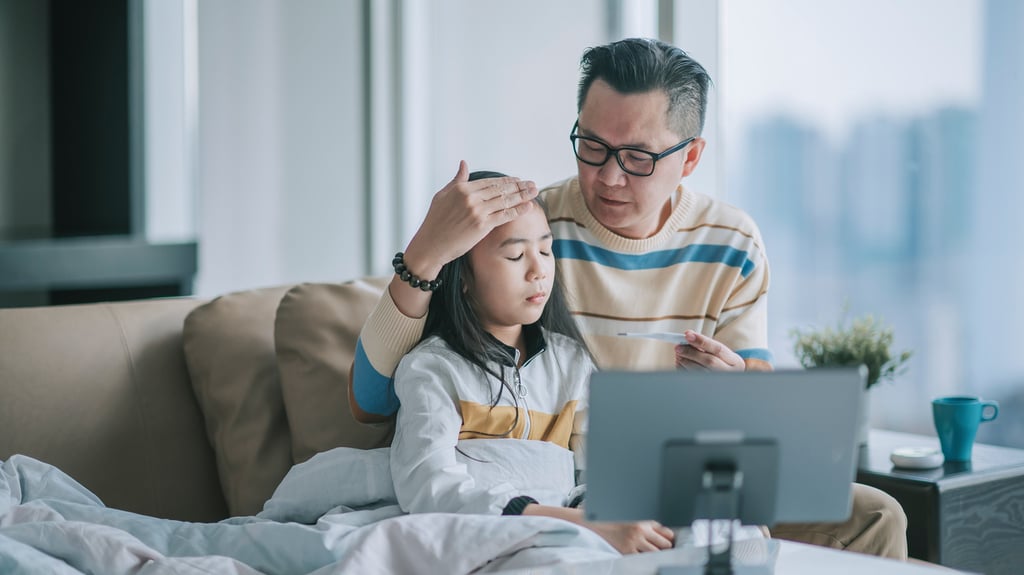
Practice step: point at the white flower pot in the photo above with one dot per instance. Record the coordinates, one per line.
(864, 418)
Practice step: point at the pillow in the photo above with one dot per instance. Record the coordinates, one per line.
(343, 476)
(315, 338)
(229, 350)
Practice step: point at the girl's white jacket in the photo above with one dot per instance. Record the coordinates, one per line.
(453, 452)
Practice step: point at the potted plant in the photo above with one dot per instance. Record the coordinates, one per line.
(864, 340)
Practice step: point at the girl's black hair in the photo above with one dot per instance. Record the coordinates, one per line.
(452, 316)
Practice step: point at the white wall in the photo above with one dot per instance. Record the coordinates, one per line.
(321, 205)
(280, 182)
(503, 99)
(239, 142)
(169, 186)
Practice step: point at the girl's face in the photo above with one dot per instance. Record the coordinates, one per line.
(513, 271)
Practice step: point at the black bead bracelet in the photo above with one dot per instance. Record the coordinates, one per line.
(412, 279)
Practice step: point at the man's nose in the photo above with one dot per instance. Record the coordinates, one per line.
(610, 173)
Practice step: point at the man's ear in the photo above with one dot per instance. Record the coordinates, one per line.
(691, 156)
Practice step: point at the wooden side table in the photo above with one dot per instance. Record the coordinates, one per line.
(968, 516)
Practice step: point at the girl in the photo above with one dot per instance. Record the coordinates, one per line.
(493, 399)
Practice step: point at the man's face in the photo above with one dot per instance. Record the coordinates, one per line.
(632, 206)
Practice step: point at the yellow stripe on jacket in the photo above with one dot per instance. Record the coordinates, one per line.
(487, 422)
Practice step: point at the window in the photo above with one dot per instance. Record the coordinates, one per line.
(866, 139)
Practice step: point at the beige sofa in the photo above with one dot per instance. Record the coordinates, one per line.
(184, 408)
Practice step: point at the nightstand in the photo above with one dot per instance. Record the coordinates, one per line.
(964, 515)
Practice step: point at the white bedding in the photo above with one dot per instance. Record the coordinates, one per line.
(336, 513)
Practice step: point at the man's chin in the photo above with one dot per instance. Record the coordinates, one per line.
(627, 225)
(611, 216)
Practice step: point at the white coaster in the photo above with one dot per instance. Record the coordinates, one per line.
(916, 457)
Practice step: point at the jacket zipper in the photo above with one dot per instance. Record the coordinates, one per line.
(520, 388)
(522, 392)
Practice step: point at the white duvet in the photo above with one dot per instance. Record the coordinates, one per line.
(336, 513)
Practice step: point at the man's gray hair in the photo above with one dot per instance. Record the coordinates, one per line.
(637, 65)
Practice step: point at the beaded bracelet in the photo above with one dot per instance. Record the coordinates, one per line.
(407, 276)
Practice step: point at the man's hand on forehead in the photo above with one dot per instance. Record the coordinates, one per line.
(508, 198)
(465, 211)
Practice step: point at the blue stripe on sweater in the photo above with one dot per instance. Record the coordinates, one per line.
(757, 353)
(374, 391)
(703, 253)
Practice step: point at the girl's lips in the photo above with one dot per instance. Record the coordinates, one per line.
(537, 297)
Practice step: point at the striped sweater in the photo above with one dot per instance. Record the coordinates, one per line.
(705, 270)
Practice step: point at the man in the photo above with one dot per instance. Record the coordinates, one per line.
(637, 253)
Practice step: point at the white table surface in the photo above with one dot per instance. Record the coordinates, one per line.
(794, 559)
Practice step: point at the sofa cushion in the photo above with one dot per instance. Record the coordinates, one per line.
(229, 350)
(315, 337)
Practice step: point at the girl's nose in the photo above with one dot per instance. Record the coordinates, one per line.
(536, 271)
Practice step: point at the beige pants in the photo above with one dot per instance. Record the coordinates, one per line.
(877, 526)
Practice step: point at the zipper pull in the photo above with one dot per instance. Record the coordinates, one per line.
(520, 388)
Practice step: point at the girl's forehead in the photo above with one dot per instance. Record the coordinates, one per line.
(530, 226)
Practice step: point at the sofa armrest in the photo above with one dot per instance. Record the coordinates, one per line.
(102, 392)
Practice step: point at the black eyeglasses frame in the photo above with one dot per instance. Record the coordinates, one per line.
(610, 151)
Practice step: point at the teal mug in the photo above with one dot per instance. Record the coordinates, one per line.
(956, 421)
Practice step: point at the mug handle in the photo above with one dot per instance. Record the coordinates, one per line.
(995, 410)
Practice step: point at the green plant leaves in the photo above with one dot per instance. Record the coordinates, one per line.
(864, 341)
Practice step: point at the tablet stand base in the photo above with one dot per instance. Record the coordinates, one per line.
(761, 561)
(721, 485)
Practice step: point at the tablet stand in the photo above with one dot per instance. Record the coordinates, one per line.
(719, 498)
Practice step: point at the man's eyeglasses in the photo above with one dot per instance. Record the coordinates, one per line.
(633, 161)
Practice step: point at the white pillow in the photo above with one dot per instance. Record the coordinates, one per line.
(341, 477)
